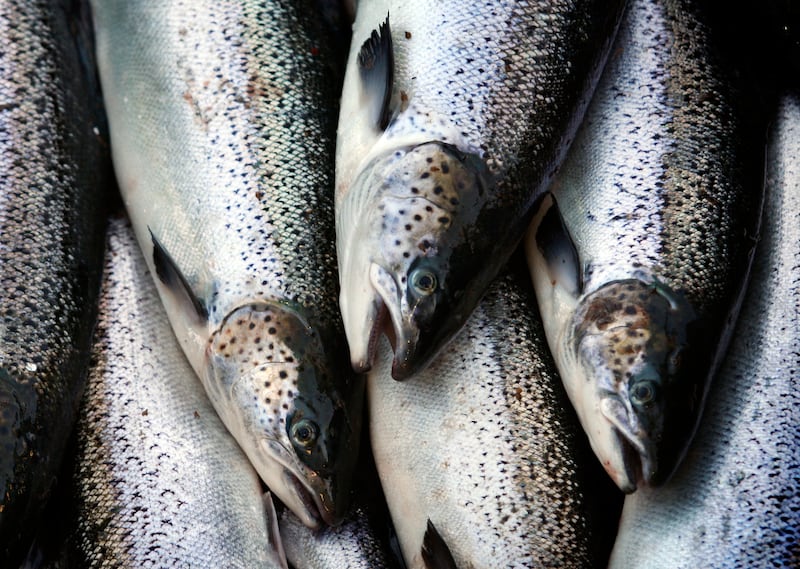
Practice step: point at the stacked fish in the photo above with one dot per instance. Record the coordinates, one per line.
(221, 422)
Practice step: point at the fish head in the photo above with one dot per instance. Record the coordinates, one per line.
(275, 388)
(638, 405)
(408, 255)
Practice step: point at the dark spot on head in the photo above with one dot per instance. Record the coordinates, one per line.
(425, 175)
(272, 330)
(408, 227)
(282, 374)
(445, 167)
(438, 190)
(417, 217)
(630, 309)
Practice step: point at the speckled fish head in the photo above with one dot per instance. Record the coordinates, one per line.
(274, 381)
(409, 254)
(638, 407)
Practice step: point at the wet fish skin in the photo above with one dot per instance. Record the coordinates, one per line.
(431, 205)
(352, 545)
(54, 171)
(223, 121)
(484, 446)
(641, 253)
(736, 499)
(158, 480)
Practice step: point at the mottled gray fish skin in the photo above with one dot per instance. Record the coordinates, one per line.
(661, 195)
(222, 127)
(159, 481)
(54, 167)
(483, 444)
(483, 100)
(352, 545)
(735, 502)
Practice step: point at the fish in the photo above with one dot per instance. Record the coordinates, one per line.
(55, 172)
(158, 479)
(735, 501)
(480, 456)
(452, 120)
(222, 122)
(641, 248)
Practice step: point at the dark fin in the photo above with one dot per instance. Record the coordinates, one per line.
(435, 552)
(555, 244)
(275, 541)
(169, 274)
(376, 64)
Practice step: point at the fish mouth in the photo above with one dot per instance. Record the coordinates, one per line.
(396, 323)
(627, 456)
(313, 509)
(364, 322)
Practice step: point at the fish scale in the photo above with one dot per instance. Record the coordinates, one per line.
(735, 502)
(222, 129)
(483, 444)
(496, 89)
(54, 170)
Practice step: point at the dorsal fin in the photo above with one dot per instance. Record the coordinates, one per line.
(169, 274)
(376, 66)
(435, 552)
(555, 244)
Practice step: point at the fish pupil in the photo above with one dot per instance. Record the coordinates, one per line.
(424, 282)
(643, 393)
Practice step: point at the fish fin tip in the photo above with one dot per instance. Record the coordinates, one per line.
(558, 249)
(435, 553)
(274, 537)
(171, 276)
(376, 66)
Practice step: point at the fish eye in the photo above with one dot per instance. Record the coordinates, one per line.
(423, 282)
(643, 392)
(305, 432)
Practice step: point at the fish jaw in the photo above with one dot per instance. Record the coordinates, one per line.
(271, 381)
(407, 250)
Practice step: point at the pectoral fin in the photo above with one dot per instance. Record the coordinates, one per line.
(557, 248)
(171, 276)
(376, 66)
(435, 552)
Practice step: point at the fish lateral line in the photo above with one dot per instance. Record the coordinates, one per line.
(171, 276)
(376, 69)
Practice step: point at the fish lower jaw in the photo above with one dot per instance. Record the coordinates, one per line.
(305, 506)
(629, 477)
